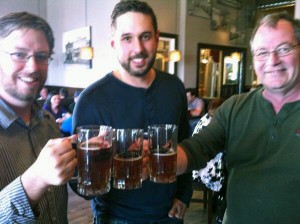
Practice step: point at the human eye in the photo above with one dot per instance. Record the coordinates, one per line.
(41, 57)
(261, 53)
(146, 36)
(284, 49)
(126, 38)
(19, 55)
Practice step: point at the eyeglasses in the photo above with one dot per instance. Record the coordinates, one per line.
(40, 58)
(281, 51)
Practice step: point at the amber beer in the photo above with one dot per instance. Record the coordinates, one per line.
(127, 161)
(163, 167)
(127, 171)
(163, 153)
(94, 156)
(94, 168)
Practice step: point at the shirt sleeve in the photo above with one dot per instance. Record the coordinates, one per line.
(184, 182)
(14, 204)
(184, 188)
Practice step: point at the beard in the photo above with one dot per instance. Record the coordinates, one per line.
(140, 72)
(9, 86)
(17, 94)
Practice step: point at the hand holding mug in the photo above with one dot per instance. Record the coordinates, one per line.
(55, 165)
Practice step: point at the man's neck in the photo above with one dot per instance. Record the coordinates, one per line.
(278, 99)
(141, 82)
(22, 109)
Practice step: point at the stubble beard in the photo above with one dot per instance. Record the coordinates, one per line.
(15, 93)
(10, 88)
(138, 73)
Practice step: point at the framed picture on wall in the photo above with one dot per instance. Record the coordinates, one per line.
(200, 8)
(237, 33)
(219, 19)
(73, 43)
(231, 3)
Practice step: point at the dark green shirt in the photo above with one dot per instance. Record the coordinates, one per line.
(262, 154)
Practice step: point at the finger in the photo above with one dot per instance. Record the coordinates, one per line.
(67, 157)
(67, 166)
(180, 211)
(57, 141)
(145, 173)
(63, 145)
(70, 168)
(172, 212)
(73, 138)
(179, 214)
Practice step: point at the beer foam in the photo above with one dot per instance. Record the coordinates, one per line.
(128, 159)
(85, 146)
(164, 154)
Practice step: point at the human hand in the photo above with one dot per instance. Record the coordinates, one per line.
(58, 121)
(56, 163)
(178, 209)
(54, 166)
(146, 160)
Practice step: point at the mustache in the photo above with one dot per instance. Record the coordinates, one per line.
(139, 55)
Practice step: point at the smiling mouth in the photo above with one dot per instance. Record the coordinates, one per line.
(275, 71)
(137, 60)
(28, 79)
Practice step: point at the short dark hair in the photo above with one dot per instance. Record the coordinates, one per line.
(50, 95)
(133, 6)
(193, 91)
(272, 19)
(25, 20)
(63, 92)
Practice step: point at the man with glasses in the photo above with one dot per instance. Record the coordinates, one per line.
(33, 169)
(260, 132)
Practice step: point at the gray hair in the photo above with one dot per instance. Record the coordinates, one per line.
(272, 19)
(25, 20)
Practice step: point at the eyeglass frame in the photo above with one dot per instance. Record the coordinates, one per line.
(26, 59)
(276, 51)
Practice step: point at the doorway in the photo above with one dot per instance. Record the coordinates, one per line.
(220, 70)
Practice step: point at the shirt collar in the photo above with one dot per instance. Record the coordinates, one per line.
(8, 116)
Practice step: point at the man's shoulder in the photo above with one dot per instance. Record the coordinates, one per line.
(165, 75)
(169, 80)
(244, 100)
(105, 81)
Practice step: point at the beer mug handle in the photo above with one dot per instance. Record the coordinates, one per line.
(75, 175)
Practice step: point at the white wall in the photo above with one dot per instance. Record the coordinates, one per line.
(32, 6)
(197, 30)
(66, 15)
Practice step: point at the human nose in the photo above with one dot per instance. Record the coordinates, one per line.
(273, 57)
(31, 63)
(138, 45)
